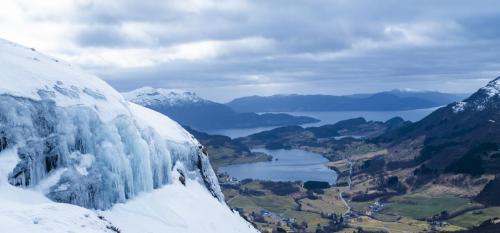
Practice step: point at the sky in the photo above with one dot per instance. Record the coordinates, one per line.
(224, 49)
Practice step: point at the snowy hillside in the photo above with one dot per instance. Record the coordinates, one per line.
(69, 137)
(147, 96)
(481, 99)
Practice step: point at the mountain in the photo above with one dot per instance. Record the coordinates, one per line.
(76, 157)
(193, 111)
(383, 101)
(462, 137)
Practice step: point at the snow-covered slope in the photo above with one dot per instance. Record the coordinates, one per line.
(27, 73)
(76, 140)
(481, 99)
(147, 96)
(176, 208)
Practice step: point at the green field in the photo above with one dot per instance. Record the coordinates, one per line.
(360, 206)
(473, 218)
(273, 203)
(255, 185)
(311, 219)
(420, 206)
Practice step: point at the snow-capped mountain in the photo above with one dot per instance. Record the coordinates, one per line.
(147, 96)
(483, 98)
(68, 137)
(462, 137)
(190, 110)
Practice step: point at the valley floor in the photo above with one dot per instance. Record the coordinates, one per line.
(300, 210)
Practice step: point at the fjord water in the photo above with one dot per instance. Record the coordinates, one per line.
(334, 117)
(287, 165)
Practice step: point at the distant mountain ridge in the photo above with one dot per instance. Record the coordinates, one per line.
(191, 110)
(383, 101)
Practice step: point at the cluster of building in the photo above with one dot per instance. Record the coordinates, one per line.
(374, 208)
(435, 224)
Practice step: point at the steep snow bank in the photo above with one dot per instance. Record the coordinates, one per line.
(101, 163)
(176, 208)
(172, 208)
(26, 211)
(77, 141)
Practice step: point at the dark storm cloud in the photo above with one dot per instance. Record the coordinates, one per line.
(397, 43)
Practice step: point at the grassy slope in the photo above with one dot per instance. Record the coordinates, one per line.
(421, 206)
(473, 218)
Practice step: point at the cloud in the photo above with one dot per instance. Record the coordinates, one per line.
(114, 56)
(262, 47)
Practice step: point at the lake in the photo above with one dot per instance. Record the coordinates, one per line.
(334, 117)
(287, 165)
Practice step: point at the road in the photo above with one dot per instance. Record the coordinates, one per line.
(348, 187)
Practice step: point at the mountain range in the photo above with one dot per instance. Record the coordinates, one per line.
(383, 101)
(201, 114)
